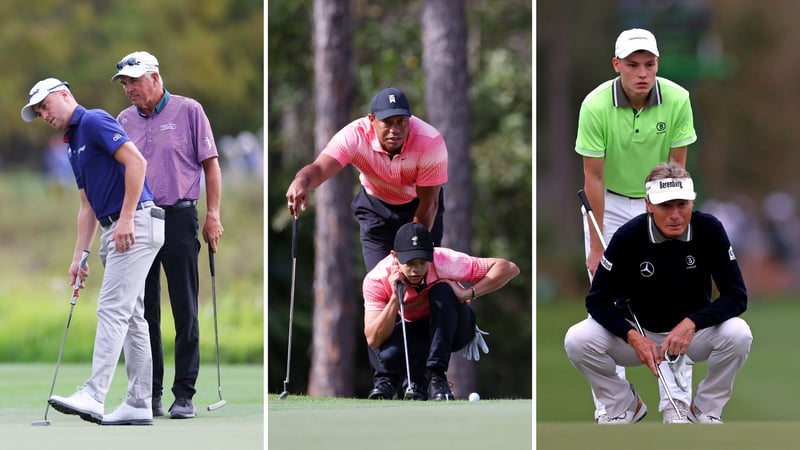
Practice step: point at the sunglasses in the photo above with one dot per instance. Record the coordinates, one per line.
(133, 62)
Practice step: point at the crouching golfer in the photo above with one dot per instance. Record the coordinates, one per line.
(110, 176)
(662, 263)
(437, 313)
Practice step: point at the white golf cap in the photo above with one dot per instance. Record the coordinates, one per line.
(666, 189)
(38, 93)
(135, 65)
(633, 40)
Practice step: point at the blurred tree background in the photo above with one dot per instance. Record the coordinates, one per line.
(387, 51)
(738, 60)
(211, 50)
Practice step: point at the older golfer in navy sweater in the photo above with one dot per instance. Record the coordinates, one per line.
(662, 263)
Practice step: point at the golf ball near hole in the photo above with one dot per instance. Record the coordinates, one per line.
(474, 397)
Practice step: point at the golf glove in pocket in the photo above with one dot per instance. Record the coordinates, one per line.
(471, 352)
(680, 366)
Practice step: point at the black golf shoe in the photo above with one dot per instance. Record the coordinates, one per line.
(158, 407)
(439, 387)
(384, 390)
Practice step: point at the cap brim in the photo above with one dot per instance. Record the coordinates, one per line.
(405, 257)
(661, 197)
(628, 52)
(28, 114)
(392, 112)
(129, 71)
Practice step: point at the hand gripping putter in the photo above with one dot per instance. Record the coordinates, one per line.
(75, 289)
(588, 211)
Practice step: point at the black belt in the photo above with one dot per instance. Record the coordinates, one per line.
(108, 220)
(621, 195)
(180, 204)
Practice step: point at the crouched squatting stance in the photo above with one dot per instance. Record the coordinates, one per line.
(661, 264)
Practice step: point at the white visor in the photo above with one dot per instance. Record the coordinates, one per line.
(666, 189)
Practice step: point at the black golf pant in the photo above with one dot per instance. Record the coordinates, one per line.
(379, 221)
(178, 256)
(450, 328)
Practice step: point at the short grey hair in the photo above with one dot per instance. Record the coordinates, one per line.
(669, 169)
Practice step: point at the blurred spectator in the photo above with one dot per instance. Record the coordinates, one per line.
(57, 169)
(243, 154)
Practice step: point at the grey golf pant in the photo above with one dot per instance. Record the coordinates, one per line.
(120, 312)
(595, 352)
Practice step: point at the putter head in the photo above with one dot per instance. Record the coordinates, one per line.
(411, 393)
(283, 395)
(217, 405)
(41, 423)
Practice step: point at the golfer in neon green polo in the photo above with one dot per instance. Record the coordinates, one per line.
(626, 127)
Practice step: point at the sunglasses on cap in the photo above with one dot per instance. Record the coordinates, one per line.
(131, 62)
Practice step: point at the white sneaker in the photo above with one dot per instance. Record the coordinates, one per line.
(634, 413)
(672, 416)
(79, 403)
(697, 416)
(126, 414)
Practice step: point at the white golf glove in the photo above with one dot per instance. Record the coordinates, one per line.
(679, 365)
(471, 352)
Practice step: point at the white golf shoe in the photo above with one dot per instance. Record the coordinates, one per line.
(632, 414)
(126, 414)
(697, 416)
(672, 416)
(81, 404)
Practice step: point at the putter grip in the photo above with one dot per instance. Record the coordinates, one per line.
(294, 238)
(584, 200)
(401, 291)
(211, 261)
(84, 258)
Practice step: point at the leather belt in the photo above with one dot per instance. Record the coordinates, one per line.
(108, 220)
(180, 204)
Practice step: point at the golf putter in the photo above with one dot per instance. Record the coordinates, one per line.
(285, 392)
(73, 301)
(401, 293)
(588, 208)
(221, 402)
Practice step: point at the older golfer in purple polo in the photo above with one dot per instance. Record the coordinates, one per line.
(175, 137)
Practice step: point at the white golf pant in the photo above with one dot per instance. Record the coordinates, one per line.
(120, 312)
(618, 211)
(595, 352)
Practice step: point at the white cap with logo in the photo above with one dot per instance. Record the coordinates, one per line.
(38, 93)
(633, 40)
(135, 65)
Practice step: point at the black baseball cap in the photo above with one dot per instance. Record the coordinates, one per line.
(413, 241)
(390, 102)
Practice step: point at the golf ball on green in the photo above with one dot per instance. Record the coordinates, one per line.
(474, 397)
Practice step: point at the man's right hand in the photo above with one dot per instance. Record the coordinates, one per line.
(646, 349)
(297, 196)
(593, 259)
